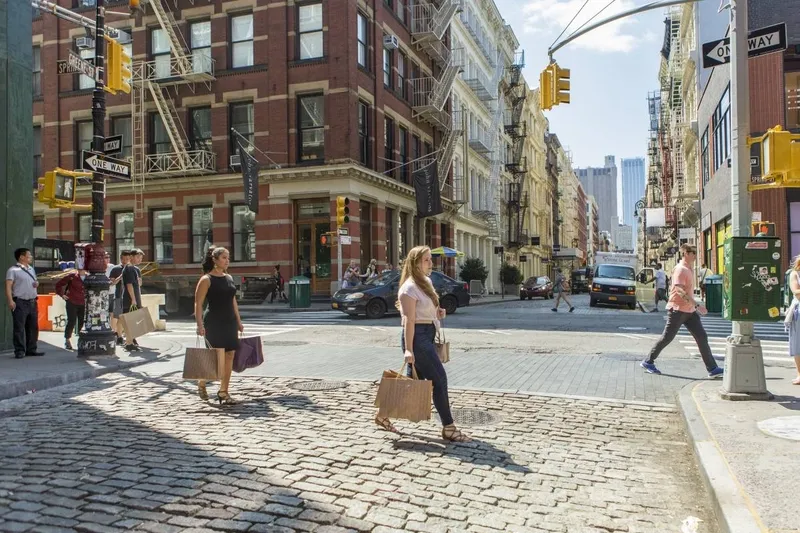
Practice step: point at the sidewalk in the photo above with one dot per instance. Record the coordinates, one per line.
(60, 367)
(747, 453)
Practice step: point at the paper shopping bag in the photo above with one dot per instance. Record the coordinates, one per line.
(442, 347)
(137, 323)
(204, 363)
(249, 354)
(404, 398)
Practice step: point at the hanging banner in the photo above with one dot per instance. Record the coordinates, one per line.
(250, 169)
(656, 217)
(426, 187)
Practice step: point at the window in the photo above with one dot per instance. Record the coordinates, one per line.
(242, 41)
(202, 234)
(160, 142)
(723, 229)
(792, 84)
(309, 28)
(200, 128)
(84, 131)
(387, 67)
(704, 157)
(162, 236)
(363, 133)
(122, 126)
(85, 82)
(391, 228)
(400, 10)
(39, 228)
(388, 144)
(401, 76)
(85, 3)
(123, 232)
(242, 122)
(404, 155)
(428, 148)
(37, 155)
(159, 49)
(84, 227)
(312, 127)
(201, 46)
(722, 130)
(244, 234)
(473, 189)
(363, 39)
(416, 146)
(37, 71)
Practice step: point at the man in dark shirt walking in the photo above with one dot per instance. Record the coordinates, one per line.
(115, 275)
(132, 291)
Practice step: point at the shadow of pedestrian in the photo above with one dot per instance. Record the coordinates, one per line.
(788, 402)
(477, 452)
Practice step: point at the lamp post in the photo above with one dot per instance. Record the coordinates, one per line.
(640, 212)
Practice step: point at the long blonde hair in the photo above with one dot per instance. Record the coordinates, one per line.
(412, 268)
(796, 265)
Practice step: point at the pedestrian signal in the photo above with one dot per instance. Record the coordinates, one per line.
(57, 187)
(763, 229)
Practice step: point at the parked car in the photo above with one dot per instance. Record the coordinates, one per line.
(537, 286)
(377, 297)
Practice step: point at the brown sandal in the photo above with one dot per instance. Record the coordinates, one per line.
(386, 424)
(202, 391)
(453, 434)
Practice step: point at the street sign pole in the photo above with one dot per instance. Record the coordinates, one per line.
(97, 337)
(744, 361)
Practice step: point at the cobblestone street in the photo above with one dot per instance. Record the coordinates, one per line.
(120, 453)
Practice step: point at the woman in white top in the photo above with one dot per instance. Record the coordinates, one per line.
(420, 311)
(792, 320)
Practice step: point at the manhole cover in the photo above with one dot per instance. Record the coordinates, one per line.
(784, 427)
(622, 357)
(632, 328)
(285, 343)
(474, 417)
(318, 385)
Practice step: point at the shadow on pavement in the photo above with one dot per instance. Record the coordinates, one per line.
(789, 402)
(477, 452)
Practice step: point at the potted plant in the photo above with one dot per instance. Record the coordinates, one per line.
(511, 278)
(474, 269)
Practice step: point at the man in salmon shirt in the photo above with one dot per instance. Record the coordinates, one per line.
(682, 310)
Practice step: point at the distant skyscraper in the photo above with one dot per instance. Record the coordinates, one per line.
(632, 189)
(602, 184)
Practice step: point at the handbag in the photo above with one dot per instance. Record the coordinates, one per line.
(403, 397)
(442, 346)
(203, 363)
(249, 354)
(137, 323)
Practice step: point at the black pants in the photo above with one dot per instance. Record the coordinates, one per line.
(75, 314)
(428, 366)
(26, 326)
(675, 319)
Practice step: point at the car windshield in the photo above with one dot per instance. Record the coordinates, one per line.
(616, 272)
(384, 278)
(542, 281)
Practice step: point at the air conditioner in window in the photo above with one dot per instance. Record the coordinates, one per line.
(390, 42)
(235, 162)
(84, 43)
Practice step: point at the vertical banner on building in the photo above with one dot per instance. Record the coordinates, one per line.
(426, 187)
(250, 170)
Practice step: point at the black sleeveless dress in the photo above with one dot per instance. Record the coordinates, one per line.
(219, 319)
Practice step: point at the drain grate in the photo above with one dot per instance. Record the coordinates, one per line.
(318, 385)
(474, 417)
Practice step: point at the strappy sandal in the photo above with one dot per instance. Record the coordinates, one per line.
(225, 399)
(386, 425)
(202, 391)
(453, 434)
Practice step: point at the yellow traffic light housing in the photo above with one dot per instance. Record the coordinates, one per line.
(57, 187)
(561, 84)
(780, 159)
(342, 211)
(546, 89)
(118, 68)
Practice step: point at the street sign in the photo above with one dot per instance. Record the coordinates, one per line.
(556, 247)
(754, 161)
(111, 167)
(759, 42)
(80, 65)
(112, 145)
(344, 231)
(65, 68)
(345, 239)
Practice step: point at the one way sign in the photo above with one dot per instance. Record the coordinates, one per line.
(111, 167)
(759, 42)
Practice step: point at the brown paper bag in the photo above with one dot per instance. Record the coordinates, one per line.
(404, 398)
(137, 324)
(204, 363)
(442, 347)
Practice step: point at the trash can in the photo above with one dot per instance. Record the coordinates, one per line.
(299, 292)
(714, 293)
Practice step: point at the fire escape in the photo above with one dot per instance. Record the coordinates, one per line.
(429, 23)
(157, 82)
(516, 164)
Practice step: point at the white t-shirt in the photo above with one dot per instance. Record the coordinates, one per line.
(425, 309)
(661, 279)
(109, 269)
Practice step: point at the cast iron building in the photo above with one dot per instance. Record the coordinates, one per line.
(601, 183)
(632, 189)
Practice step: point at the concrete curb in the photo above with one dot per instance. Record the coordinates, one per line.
(21, 388)
(731, 505)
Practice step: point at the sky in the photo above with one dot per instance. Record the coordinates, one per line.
(612, 70)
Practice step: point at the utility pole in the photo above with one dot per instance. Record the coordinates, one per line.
(97, 337)
(744, 361)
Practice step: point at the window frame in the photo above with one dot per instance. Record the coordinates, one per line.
(722, 130)
(301, 34)
(206, 66)
(78, 218)
(250, 136)
(388, 146)
(234, 233)
(301, 152)
(85, 53)
(153, 145)
(363, 133)
(154, 56)
(199, 143)
(155, 239)
(403, 148)
(232, 44)
(78, 148)
(192, 248)
(705, 166)
(127, 137)
(37, 72)
(401, 89)
(388, 61)
(362, 45)
(117, 238)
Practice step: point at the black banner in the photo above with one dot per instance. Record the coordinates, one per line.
(426, 187)
(250, 170)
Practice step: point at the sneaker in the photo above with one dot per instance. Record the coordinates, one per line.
(717, 372)
(571, 309)
(554, 310)
(19, 355)
(650, 367)
(68, 345)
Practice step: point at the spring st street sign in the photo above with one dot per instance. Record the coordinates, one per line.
(759, 42)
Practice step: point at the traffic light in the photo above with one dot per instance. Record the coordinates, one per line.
(118, 68)
(561, 84)
(546, 89)
(57, 187)
(764, 229)
(342, 211)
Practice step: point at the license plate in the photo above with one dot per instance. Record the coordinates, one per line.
(335, 305)
(612, 298)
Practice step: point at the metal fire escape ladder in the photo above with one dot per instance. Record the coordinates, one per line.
(444, 158)
(176, 42)
(139, 134)
(171, 121)
(429, 23)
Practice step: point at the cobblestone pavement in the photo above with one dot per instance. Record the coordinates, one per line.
(123, 453)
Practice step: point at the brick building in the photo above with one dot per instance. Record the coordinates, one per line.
(334, 97)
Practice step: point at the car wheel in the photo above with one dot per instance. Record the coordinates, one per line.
(592, 302)
(449, 304)
(376, 308)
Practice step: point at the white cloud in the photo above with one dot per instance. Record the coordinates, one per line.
(549, 17)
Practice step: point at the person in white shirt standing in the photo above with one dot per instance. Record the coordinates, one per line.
(21, 296)
(661, 285)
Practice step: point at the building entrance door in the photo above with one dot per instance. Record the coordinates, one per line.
(314, 259)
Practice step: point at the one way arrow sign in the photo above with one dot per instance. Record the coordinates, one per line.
(111, 167)
(759, 42)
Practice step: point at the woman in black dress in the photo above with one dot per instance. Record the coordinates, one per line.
(220, 323)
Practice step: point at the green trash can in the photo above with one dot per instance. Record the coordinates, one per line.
(299, 292)
(714, 293)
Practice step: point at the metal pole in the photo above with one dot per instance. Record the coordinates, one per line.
(97, 337)
(744, 363)
(339, 256)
